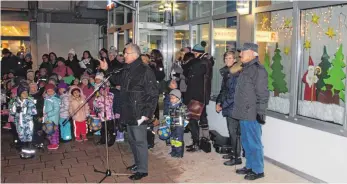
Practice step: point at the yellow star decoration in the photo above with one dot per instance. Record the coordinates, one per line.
(287, 22)
(265, 19)
(315, 19)
(286, 50)
(307, 44)
(330, 32)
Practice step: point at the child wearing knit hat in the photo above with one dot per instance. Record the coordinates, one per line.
(24, 109)
(65, 130)
(51, 111)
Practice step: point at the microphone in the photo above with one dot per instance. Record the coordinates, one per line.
(115, 71)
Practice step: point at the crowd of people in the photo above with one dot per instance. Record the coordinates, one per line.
(58, 102)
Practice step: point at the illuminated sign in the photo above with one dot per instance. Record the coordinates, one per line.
(225, 34)
(266, 36)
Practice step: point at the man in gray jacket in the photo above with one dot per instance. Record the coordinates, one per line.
(251, 99)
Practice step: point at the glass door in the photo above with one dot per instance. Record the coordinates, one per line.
(181, 37)
(201, 32)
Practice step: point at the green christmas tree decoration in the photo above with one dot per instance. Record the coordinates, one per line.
(269, 71)
(324, 65)
(279, 84)
(337, 74)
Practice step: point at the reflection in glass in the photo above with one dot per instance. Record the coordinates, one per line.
(273, 36)
(225, 38)
(323, 64)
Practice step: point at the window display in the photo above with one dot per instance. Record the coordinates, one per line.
(274, 37)
(323, 63)
(225, 38)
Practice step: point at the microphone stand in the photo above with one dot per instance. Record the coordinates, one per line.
(108, 171)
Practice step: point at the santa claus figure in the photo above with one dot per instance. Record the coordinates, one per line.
(310, 79)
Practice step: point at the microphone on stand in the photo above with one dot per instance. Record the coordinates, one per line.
(115, 71)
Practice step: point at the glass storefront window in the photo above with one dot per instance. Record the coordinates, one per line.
(201, 33)
(323, 64)
(151, 13)
(181, 11)
(271, 2)
(201, 9)
(225, 38)
(15, 28)
(220, 7)
(181, 37)
(152, 39)
(274, 38)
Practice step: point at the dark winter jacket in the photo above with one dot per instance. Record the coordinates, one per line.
(139, 92)
(251, 95)
(227, 92)
(116, 81)
(48, 66)
(25, 67)
(11, 63)
(197, 73)
(90, 64)
(75, 67)
(39, 104)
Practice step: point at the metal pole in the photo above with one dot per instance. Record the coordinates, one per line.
(136, 30)
(133, 8)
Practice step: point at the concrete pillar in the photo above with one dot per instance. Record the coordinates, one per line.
(33, 46)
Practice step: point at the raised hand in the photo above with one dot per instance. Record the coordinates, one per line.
(103, 64)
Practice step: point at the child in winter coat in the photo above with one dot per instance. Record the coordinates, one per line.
(77, 98)
(51, 113)
(100, 104)
(177, 119)
(13, 95)
(36, 94)
(65, 130)
(23, 110)
(87, 90)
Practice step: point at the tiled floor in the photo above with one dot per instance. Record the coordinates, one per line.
(75, 163)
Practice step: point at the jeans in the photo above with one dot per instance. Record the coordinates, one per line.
(251, 142)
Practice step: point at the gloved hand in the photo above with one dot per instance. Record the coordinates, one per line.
(261, 118)
(18, 109)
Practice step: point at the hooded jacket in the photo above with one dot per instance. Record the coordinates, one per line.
(227, 92)
(64, 105)
(75, 103)
(100, 105)
(51, 109)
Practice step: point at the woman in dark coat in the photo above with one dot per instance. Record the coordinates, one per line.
(46, 64)
(88, 63)
(73, 63)
(53, 59)
(225, 103)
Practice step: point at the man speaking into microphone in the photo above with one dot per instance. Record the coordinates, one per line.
(139, 96)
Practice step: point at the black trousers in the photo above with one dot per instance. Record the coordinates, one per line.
(194, 126)
(110, 130)
(234, 129)
(150, 135)
(38, 136)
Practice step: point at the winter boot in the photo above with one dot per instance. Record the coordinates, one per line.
(53, 146)
(194, 148)
(7, 126)
(120, 136)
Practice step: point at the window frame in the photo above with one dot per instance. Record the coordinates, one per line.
(296, 67)
(296, 49)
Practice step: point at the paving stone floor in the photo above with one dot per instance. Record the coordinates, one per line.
(75, 163)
